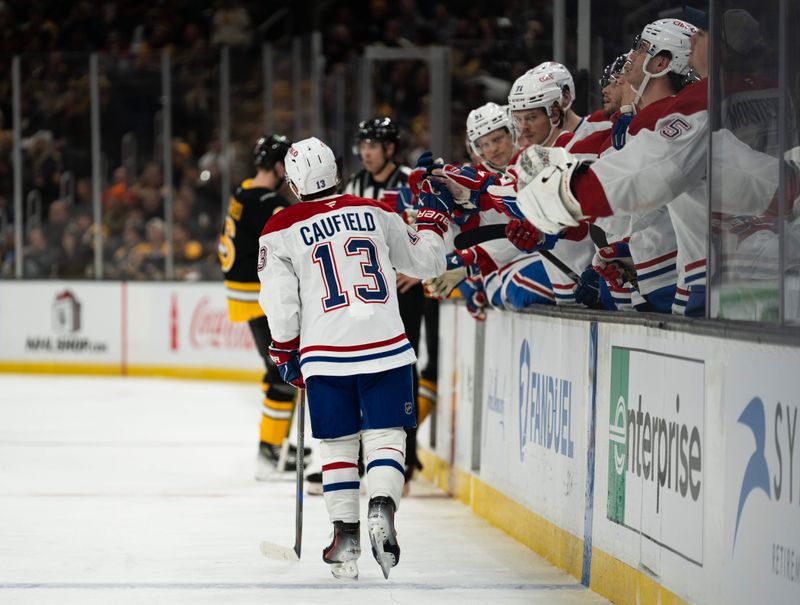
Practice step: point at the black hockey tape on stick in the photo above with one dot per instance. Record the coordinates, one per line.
(478, 235)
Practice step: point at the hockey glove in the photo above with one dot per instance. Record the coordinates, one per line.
(461, 258)
(523, 235)
(425, 164)
(469, 181)
(534, 159)
(587, 292)
(286, 356)
(441, 287)
(548, 202)
(472, 291)
(435, 207)
(614, 264)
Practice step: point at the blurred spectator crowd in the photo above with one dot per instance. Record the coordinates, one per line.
(492, 43)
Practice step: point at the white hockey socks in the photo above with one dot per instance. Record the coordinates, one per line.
(385, 454)
(340, 482)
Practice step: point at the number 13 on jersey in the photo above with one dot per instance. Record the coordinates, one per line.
(325, 256)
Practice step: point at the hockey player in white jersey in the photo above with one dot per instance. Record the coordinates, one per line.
(500, 275)
(579, 126)
(532, 97)
(510, 279)
(664, 163)
(327, 271)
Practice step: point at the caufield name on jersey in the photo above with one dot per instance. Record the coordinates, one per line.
(328, 226)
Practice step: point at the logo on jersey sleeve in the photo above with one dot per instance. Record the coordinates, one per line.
(675, 128)
(262, 258)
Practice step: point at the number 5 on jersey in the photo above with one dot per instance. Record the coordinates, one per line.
(376, 291)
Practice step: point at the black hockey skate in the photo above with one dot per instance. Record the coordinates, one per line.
(268, 457)
(343, 552)
(380, 524)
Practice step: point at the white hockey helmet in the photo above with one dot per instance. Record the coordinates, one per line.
(485, 119)
(311, 167)
(672, 35)
(561, 75)
(532, 90)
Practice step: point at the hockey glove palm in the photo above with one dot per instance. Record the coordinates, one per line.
(548, 202)
(286, 356)
(441, 287)
(467, 183)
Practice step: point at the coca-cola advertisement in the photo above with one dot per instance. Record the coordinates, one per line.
(209, 328)
(187, 325)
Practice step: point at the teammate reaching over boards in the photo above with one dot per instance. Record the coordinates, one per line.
(327, 270)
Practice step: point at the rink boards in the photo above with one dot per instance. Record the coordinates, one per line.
(133, 328)
(656, 466)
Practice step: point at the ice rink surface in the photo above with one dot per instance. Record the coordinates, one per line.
(133, 490)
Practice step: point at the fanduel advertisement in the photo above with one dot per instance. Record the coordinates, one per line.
(656, 460)
(545, 408)
(543, 405)
(762, 477)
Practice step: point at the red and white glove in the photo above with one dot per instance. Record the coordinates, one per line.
(523, 235)
(614, 263)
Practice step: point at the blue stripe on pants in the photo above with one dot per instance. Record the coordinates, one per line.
(333, 487)
(386, 462)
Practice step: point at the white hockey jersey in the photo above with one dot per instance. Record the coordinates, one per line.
(327, 272)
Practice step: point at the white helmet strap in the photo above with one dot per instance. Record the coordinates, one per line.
(646, 80)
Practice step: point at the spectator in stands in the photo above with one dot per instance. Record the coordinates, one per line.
(152, 253)
(39, 258)
(73, 258)
(188, 254)
(57, 221)
(125, 258)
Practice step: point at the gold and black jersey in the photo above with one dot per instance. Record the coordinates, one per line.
(248, 210)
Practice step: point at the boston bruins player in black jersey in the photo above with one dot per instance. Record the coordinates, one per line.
(253, 202)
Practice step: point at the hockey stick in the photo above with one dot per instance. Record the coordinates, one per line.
(276, 551)
(486, 233)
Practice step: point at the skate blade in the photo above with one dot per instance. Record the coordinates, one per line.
(377, 535)
(347, 571)
(386, 561)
